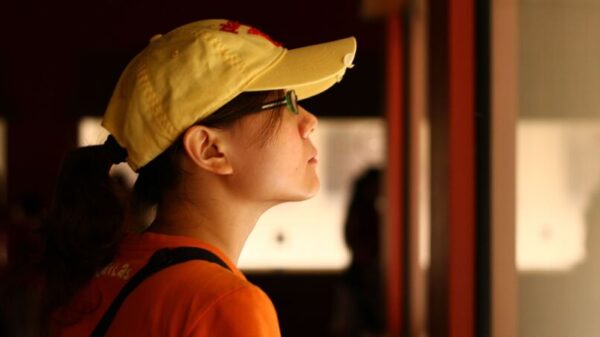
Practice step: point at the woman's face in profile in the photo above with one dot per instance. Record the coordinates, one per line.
(283, 166)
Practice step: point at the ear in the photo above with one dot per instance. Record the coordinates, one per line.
(203, 146)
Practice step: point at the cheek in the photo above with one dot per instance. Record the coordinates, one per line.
(277, 169)
(266, 167)
(254, 168)
(293, 172)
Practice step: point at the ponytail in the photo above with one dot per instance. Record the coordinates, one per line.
(84, 224)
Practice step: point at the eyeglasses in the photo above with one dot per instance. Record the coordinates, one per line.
(290, 99)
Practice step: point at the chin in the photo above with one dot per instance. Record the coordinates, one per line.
(312, 191)
(305, 194)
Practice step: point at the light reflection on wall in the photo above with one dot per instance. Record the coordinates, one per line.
(309, 234)
(424, 198)
(3, 173)
(3, 192)
(558, 169)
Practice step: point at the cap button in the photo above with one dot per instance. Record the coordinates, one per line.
(348, 61)
(155, 37)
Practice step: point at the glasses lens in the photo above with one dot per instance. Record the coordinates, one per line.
(292, 101)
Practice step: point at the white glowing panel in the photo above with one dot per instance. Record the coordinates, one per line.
(558, 169)
(92, 133)
(308, 234)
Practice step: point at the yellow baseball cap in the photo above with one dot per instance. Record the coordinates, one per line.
(187, 74)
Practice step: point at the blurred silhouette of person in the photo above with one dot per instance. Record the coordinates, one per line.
(358, 304)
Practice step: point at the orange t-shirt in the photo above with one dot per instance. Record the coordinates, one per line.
(195, 298)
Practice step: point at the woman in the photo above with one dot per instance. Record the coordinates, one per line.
(208, 116)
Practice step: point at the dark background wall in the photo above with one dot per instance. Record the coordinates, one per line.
(60, 60)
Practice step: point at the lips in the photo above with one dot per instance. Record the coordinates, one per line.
(313, 158)
(313, 153)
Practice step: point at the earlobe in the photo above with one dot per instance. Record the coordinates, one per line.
(204, 147)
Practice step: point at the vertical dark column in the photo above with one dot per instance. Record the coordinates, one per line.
(452, 80)
(461, 192)
(438, 117)
(482, 168)
(394, 236)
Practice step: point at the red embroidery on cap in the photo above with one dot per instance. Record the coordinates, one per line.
(254, 31)
(230, 26)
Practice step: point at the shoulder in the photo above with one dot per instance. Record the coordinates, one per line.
(195, 279)
(216, 302)
(198, 286)
(243, 311)
(213, 285)
(200, 298)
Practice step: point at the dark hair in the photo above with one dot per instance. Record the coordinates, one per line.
(85, 223)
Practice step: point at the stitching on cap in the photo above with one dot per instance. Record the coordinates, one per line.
(231, 58)
(150, 94)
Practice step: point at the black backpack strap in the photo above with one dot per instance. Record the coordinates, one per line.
(160, 260)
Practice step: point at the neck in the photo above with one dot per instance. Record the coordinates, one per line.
(210, 220)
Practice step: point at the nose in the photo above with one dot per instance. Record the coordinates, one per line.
(308, 123)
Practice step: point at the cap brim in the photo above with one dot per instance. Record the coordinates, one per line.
(308, 70)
